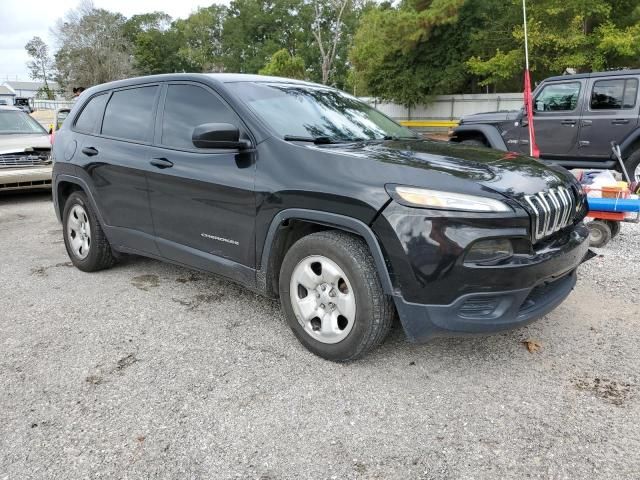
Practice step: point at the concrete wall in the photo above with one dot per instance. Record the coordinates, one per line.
(450, 107)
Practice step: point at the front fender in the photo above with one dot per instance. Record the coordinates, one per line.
(331, 220)
(489, 132)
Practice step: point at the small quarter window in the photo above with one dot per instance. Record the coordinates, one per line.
(558, 97)
(616, 94)
(89, 119)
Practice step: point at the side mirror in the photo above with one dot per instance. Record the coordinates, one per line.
(218, 135)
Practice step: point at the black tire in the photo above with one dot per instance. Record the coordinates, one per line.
(615, 227)
(631, 164)
(599, 233)
(100, 255)
(473, 142)
(374, 311)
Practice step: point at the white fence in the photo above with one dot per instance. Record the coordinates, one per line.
(444, 107)
(450, 107)
(40, 104)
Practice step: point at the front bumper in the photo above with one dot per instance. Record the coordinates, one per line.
(437, 294)
(483, 313)
(25, 178)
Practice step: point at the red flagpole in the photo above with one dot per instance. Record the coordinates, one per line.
(534, 151)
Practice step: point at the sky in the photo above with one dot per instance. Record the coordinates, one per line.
(21, 20)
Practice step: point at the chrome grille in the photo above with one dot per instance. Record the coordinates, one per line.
(25, 159)
(551, 211)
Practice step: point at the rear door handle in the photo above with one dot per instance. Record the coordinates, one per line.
(587, 123)
(161, 163)
(620, 121)
(568, 122)
(90, 151)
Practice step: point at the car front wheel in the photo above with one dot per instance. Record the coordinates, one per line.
(332, 297)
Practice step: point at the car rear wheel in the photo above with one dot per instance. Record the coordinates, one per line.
(332, 297)
(86, 244)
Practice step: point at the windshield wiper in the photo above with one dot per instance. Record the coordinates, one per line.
(316, 140)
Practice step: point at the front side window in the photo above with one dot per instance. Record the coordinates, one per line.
(307, 111)
(558, 97)
(18, 122)
(129, 114)
(186, 107)
(617, 94)
(89, 119)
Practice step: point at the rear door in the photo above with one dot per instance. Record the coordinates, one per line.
(202, 200)
(116, 160)
(557, 113)
(610, 115)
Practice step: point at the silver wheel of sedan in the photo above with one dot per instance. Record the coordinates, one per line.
(322, 299)
(79, 231)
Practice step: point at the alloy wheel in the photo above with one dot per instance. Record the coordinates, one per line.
(322, 299)
(79, 231)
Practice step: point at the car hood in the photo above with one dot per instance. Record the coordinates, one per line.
(490, 117)
(508, 173)
(17, 143)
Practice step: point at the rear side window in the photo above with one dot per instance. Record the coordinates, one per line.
(129, 114)
(186, 107)
(558, 97)
(617, 94)
(89, 119)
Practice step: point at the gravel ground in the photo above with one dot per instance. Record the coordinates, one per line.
(153, 371)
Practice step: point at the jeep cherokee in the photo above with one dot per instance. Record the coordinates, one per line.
(302, 192)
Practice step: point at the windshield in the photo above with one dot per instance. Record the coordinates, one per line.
(315, 112)
(14, 121)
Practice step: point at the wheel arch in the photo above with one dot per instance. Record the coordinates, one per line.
(490, 134)
(278, 240)
(64, 186)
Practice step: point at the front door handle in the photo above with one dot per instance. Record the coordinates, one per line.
(587, 123)
(161, 163)
(568, 122)
(90, 151)
(620, 121)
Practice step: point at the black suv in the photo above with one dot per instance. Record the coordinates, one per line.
(576, 119)
(302, 192)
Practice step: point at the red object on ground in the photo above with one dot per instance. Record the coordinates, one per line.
(528, 102)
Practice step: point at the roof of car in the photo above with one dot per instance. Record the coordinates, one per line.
(217, 77)
(615, 73)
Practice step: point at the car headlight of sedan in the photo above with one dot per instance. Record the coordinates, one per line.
(427, 198)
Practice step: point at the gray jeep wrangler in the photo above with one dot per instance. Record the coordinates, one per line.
(576, 119)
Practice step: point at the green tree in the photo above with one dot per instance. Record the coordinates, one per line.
(93, 47)
(416, 50)
(586, 35)
(41, 65)
(283, 64)
(200, 37)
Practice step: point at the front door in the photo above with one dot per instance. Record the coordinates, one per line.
(202, 200)
(610, 115)
(557, 113)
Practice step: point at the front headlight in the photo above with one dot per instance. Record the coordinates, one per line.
(426, 198)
